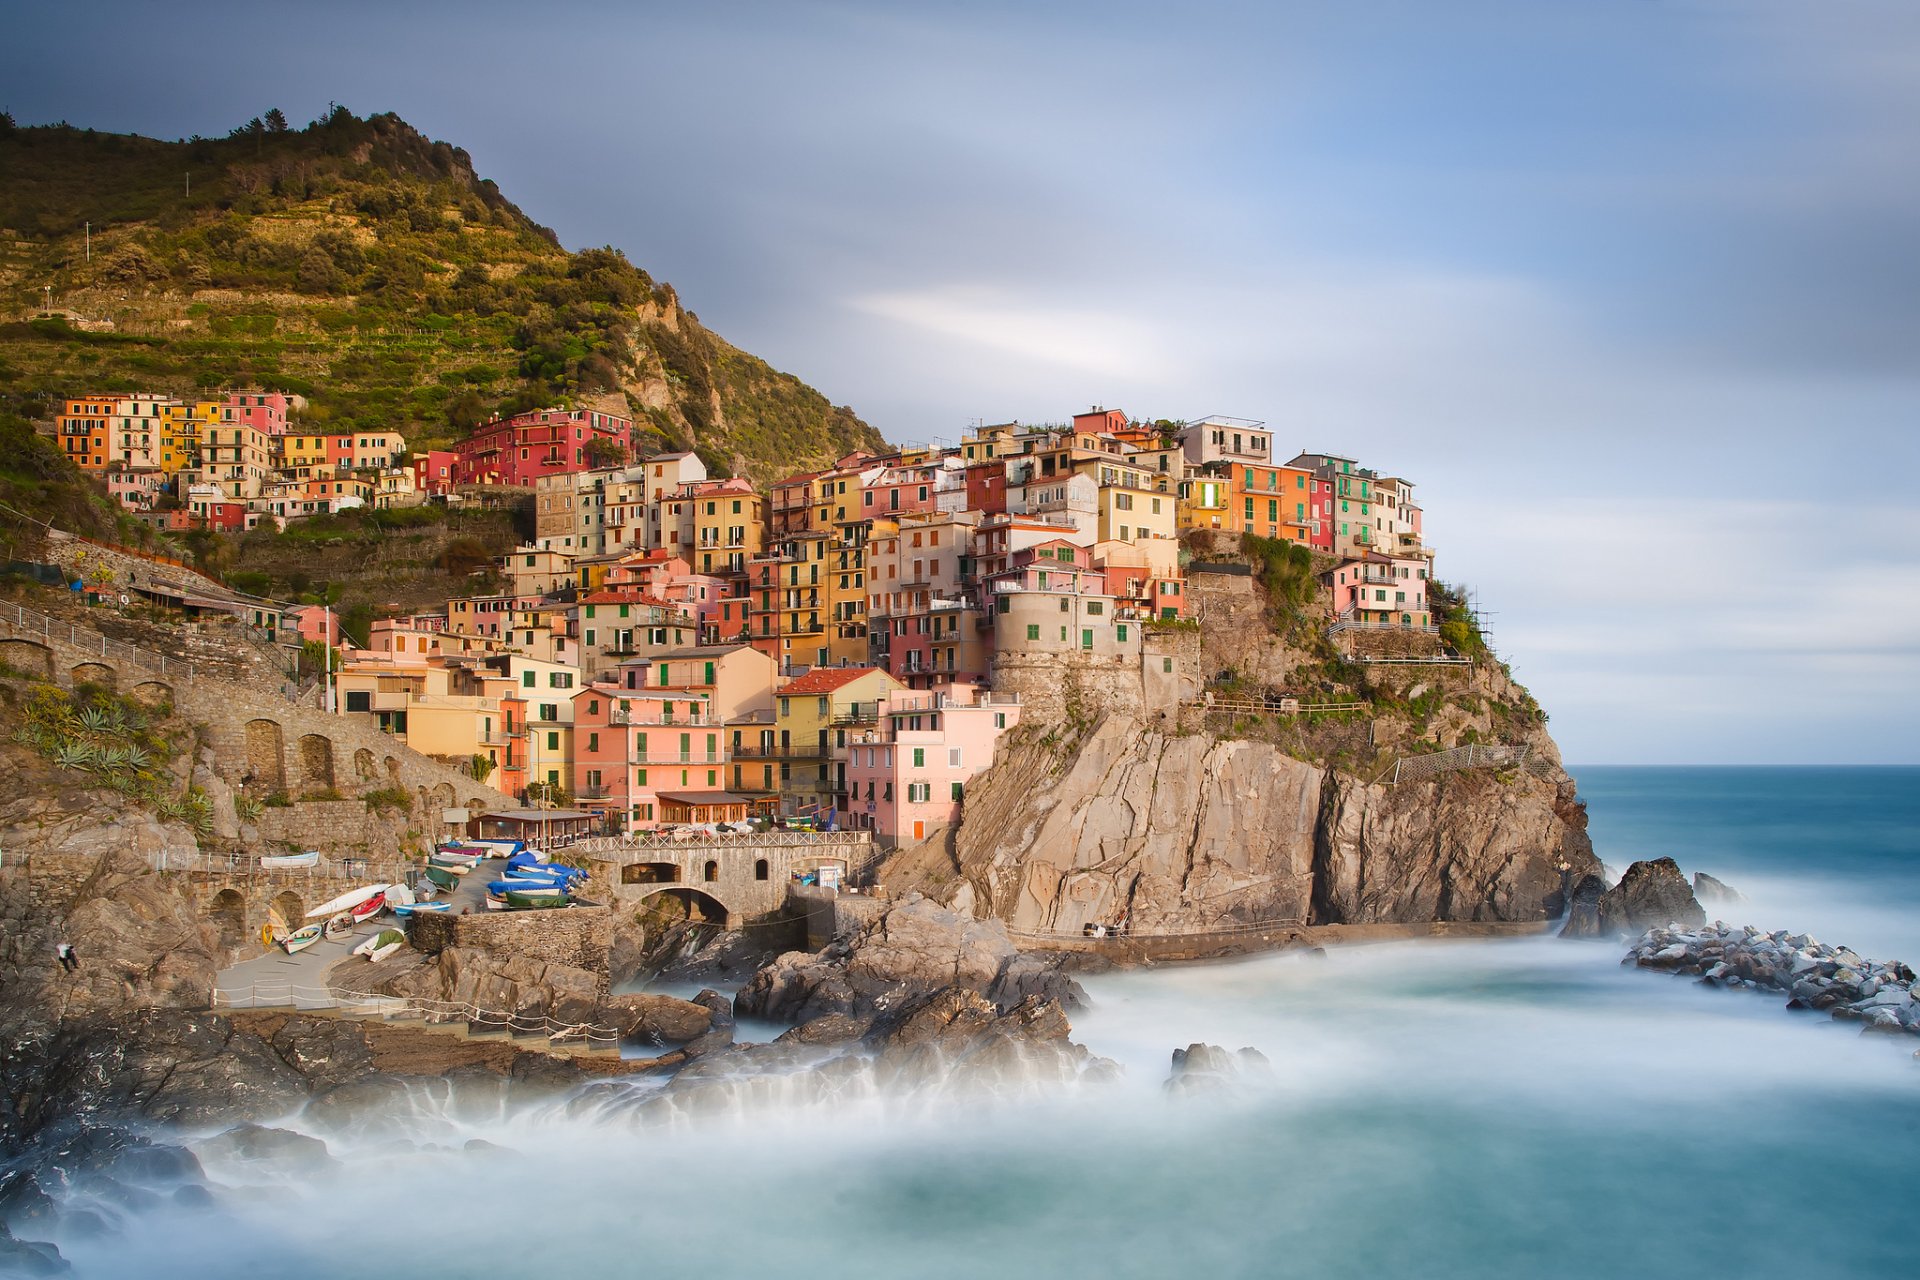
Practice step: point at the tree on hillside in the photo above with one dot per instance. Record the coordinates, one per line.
(276, 121)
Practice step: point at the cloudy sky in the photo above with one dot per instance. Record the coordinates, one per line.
(1632, 289)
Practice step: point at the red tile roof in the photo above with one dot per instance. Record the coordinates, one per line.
(824, 679)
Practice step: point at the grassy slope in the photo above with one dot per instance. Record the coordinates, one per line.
(370, 269)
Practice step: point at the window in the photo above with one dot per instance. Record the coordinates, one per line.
(956, 793)
(1166, 666)
(1096, 607)
(359, 700)
(953, 757)
(1065, 605)
(711, 872)
(759, 864)
(999, 719)
(919, 757)
(593, 742)
(526, 679)
(1120, 633)
(1033, 633)
(1086, 639)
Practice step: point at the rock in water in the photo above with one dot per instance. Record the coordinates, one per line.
(29, 1257)
(1583, 909)
(1653, 893)
(1714, 893)
(1207, 1068)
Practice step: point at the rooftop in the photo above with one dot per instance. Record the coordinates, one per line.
(824, 680)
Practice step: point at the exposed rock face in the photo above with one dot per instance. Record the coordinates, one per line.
(1583, 909)
(1166, 833)
(1652, 894)
(916, 948)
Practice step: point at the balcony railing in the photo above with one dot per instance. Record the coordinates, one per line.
(781, 751)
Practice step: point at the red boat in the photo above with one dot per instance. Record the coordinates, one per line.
(368, 909)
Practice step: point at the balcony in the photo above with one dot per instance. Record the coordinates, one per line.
(600, 792)
(781, 751)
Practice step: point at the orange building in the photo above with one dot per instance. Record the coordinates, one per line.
(83, 427)
(1271, 502)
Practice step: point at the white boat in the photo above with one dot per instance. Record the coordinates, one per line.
(381, 945)
(496, 904)
(423, 908)
(347, 901)
(398, 895)
(302, 938)
(340, 926)
(311, 858)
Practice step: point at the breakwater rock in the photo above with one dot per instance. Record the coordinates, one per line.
(1652, 894)
(1814, 974)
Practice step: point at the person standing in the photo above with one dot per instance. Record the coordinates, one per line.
(69, 960)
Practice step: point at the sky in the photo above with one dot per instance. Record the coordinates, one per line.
(1630, 289)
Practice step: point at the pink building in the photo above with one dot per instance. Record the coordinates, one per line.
(907, 778)
(262, 410)
(1383, 591)
(315, 622)
(632, 745)
(518, 450)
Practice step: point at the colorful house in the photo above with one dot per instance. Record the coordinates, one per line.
(906, 777)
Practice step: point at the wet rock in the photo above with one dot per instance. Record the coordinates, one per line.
(1208, 1068)
(326, 1051)
(1651, 894)
(832, 1028)
(253, 1144)
(1583, 909)
(1710, 892)
(25, 1204)
(192, 1196)
(538, 1076)
(29, 1257)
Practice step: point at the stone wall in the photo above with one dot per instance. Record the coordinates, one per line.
(314, 824)
(259, 742)
(576, 936)
(748, 877)
(1057, 688)
(831, 914)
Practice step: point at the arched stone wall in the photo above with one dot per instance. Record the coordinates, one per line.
(363, 765)
(153, 693)
(316, 761)
(443, 796)
(25, 655)
(266, 755)
(286, 912)
(95, 673)
(662, 873)
(699, 905)
(228, 912)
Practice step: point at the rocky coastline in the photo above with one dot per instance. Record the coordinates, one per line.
(1814, 975)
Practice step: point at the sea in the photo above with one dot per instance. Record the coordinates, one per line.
(1516, 1108)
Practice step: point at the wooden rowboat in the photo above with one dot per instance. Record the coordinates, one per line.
(370, 908)
(381, 945)
(302, 938)
(347, 901)
(443, 876)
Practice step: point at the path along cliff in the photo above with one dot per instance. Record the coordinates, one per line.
(1164, 831)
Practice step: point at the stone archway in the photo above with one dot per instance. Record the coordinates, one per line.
(393, 769)
(286, 913)
(228, 912)
(363, 765)
(443, 796)
(266, 755)
(151, 693)
(690, 904)
(662, 873)
(316, 761)
(27, 656)
(97, 673)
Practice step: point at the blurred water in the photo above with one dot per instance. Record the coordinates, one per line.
(1520, 1108)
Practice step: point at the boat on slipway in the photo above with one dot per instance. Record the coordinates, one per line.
(303, 937)
(348, 901)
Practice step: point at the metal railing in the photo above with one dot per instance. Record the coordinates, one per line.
(248, 865)
(31, 622)
(1473, 756)
(765, 839)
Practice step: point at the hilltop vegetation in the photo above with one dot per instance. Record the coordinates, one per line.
(368, 268)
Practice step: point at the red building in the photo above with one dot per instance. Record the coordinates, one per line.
(519, 450)
(262, 410)
(433, 471)
(987, 488)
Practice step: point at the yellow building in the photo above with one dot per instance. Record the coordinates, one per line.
(813, 715)
(1202, 504)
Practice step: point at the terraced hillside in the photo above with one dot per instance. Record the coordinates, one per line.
(370, 269)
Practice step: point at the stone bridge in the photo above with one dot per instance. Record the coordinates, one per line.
(261, 743)
(726, 878)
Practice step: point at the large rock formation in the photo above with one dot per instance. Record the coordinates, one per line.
(1187, 832)
(1652, 894)
(915, 949)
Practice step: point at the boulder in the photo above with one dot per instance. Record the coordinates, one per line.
(1207, 1068)
(256, 1145)
(29, 1257)
(1651, 894)
(654, 1019)
(1583, 909)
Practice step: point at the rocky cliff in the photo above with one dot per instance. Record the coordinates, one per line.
(1171, 832)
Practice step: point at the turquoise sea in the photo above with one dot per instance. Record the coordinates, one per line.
(1521, 1108)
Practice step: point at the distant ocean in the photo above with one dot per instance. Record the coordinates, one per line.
(1519, 1108)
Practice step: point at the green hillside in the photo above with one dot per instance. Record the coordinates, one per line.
(370, 269)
